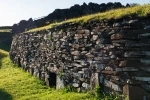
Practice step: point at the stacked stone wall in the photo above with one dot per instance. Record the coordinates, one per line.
(115, 54)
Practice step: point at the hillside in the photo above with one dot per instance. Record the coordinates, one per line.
(5, 28)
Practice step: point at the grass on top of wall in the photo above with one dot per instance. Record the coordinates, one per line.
(138, 11)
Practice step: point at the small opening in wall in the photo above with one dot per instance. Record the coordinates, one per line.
(52, 79)
(19, 62)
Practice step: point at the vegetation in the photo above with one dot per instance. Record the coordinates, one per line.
(5, 30)
(138, 11)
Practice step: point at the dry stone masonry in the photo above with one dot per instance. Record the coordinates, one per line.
(115, 54)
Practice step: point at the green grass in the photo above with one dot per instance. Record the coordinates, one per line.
(138, 11)
(16, 84)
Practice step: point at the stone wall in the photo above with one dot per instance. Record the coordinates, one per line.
(115, 54)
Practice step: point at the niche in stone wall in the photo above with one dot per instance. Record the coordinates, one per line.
(51, 81)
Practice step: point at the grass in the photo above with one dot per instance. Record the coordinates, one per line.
(16, 84)
(138, 11)
(5, 30)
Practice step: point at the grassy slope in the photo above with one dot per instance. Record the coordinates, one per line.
(5, 30)
(15, 84)
(138, 11)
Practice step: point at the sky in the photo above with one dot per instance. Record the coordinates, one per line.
(12, 11)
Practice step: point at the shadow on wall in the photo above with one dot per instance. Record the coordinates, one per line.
(4, 95)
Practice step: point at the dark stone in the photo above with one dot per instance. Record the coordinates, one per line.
(76, 11)
(23, 26)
